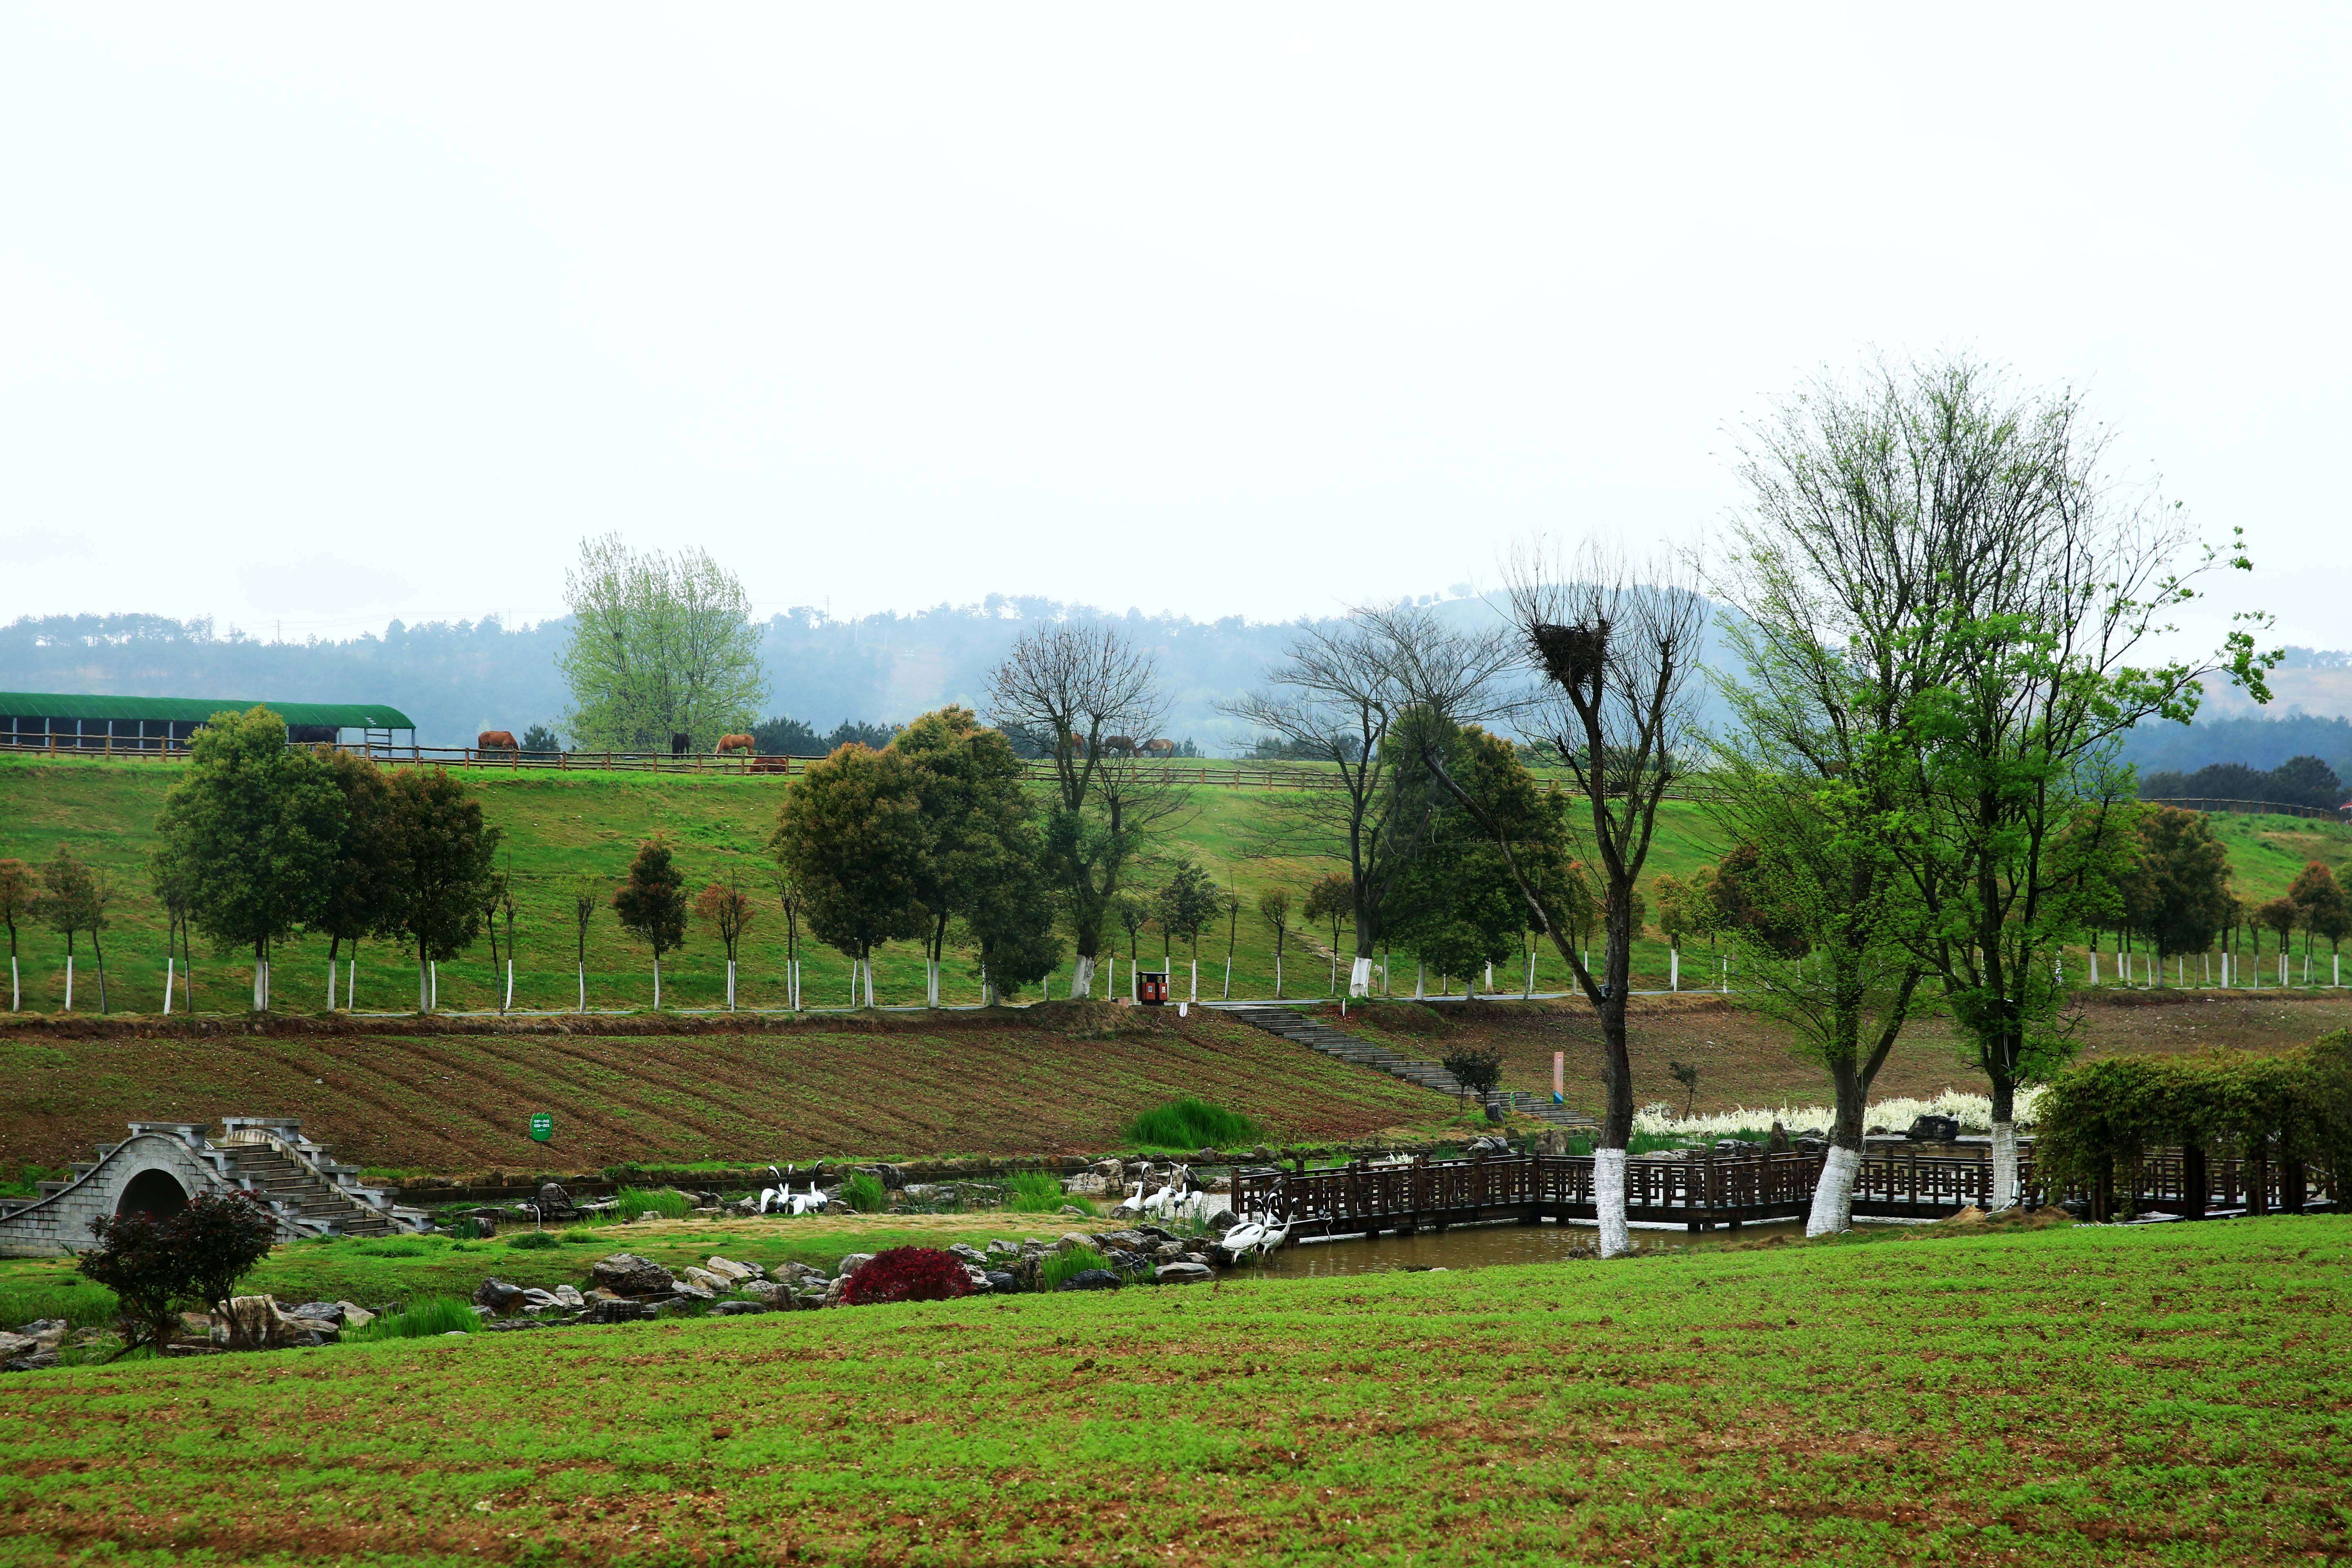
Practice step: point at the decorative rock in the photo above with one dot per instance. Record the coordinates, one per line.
(48, 1332)
(14, 1345)
(256, 1323)
(1933, 1129)
(693, 1290)
(708, 1280)
(968, 1252)
(626, 1274)
(1091, 1279)
(1201, 1258)
(852, 1264)
(1070, 1238)
(619, 1312)
(498, 1295)
(728, 1268)
(1074, 1210)
(1222, 1221)
(768, 1294)
(1183, 1273)
(1001, 1247)
(735, 1309)
(1168, 1249)
(553, 1201)
(566, 1296)
(37, 1362)
(537, 1301)
(1001, 1282)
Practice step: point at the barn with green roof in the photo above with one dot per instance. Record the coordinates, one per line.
(54, 720)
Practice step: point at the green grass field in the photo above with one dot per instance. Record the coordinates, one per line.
(2172, 1395)
(560, 824)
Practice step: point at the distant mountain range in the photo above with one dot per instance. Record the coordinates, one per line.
(459, 679)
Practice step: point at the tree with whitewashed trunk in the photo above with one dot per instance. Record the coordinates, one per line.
(983, 859)
(851, 834)
(16, 895)
(2018, 596)
(1273, 909)
(651, 902)
(442, 854)
(358, 897)
(1066, 692)
(1334, 696)
(251, 831)
(74, 897)
(588, 896)
(1612, 655)
(790, 901)
(724, 909)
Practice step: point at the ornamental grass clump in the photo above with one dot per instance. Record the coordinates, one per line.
(532, 1240)
(907, 1274)
(1190, 1123)
(865, 1194)
(421, 1320)
(1056, 1267)
(1035, 1191)
(667, 1202)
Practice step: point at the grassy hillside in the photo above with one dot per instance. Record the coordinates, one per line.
(559, 824)
(2080, 1395)
(963, 1084)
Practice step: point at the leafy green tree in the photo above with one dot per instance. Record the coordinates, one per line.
(1332, 898)
(2177, 891)
(359, 896)
(651, 902)
(251, 831)
(851, 835)
(1133, 908)
(724, 909)
(2281, 916)
(540, 740)
(74, 897)
(1189, 902)
(2326, 910)
(983, 856)
(443, 856)
(661, 645)
(17, 896)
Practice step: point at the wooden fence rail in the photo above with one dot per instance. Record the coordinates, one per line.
(1364, 1197)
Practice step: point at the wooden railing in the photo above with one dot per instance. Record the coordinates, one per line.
(1704, 1192)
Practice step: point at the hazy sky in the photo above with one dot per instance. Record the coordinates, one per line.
(322, 316)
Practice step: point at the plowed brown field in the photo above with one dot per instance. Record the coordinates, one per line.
(963, 1085)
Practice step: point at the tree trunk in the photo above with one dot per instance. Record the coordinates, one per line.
(1082, 975)
(583, 987)
(1832, 1211)
(657, 983)
(2004, 1192)
(99, 953)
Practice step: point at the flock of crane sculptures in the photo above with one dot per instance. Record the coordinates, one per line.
(1173, 1200)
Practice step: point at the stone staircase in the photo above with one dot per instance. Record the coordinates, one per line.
(270, 1174)
(1314, 1034)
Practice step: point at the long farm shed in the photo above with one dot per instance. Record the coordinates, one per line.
(62, 721)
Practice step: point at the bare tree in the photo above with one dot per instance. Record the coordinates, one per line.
(1613, 652)
(1067, 692)
(1335, 697)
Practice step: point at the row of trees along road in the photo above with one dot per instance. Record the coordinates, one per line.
(1948, 614)
(260, 839)
(67, 895)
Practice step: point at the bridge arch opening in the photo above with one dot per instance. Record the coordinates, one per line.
(156, 1193)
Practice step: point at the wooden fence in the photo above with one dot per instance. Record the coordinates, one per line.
(1703, 1194)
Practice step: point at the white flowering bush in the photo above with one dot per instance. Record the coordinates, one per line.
(1973, 1111)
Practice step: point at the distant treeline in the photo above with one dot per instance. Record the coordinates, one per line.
(2298, 781)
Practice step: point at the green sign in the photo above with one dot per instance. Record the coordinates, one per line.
(542, 1126)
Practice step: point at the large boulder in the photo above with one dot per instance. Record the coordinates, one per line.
(498, 1295)
(619, 1312)
(554, 1203)
(1183, 1273)
(14, 1345)
(728, 1268)
(1932, 1129)
(707, 1279)
(626, 1274)
(852, 1263)
(1090, 1279)
(256, 1323)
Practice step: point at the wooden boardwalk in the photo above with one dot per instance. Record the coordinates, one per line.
(1363, 1198)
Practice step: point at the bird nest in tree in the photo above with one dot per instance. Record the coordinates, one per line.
(1572, 655)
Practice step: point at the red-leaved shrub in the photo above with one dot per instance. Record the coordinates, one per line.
(907, 1274)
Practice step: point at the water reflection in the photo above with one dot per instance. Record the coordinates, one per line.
(1482, 1245)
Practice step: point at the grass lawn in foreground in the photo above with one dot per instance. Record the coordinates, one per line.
(2164, 1395)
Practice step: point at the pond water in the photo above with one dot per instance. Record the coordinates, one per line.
(1482, 1245)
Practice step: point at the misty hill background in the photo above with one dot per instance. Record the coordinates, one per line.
(459, 679)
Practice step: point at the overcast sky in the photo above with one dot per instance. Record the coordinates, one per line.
(321, 316)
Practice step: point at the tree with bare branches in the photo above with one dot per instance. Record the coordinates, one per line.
(1613, 654)
(1067, 692)
(1334, 696)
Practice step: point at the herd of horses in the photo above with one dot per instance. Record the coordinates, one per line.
(744, 745)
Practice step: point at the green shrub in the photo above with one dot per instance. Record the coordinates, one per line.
(83, 1304)
(1188, 1124)
(402, 1246)
(421, 1320)
(864, 1193)
(1056, 1267)
(28, 1180)
(533, 1240)
(667, 1202)
(584, 1236)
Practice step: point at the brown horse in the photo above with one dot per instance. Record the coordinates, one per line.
(743, 744)
(1118, 746)
(497, 741)
(1159, 748)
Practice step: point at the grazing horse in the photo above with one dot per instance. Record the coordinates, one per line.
(497, 741)
(743, 744)
(1159, 748)
(1119, 746)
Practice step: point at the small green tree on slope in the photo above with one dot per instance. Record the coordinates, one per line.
(441, 856)
(651, 904)
(851, 835)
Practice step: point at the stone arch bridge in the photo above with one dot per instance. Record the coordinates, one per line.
(163, 1164)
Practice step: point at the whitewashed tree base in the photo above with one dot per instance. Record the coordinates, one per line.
(1609, 1201)
(1832, 1211)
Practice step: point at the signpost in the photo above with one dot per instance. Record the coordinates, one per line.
(542, 1127)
